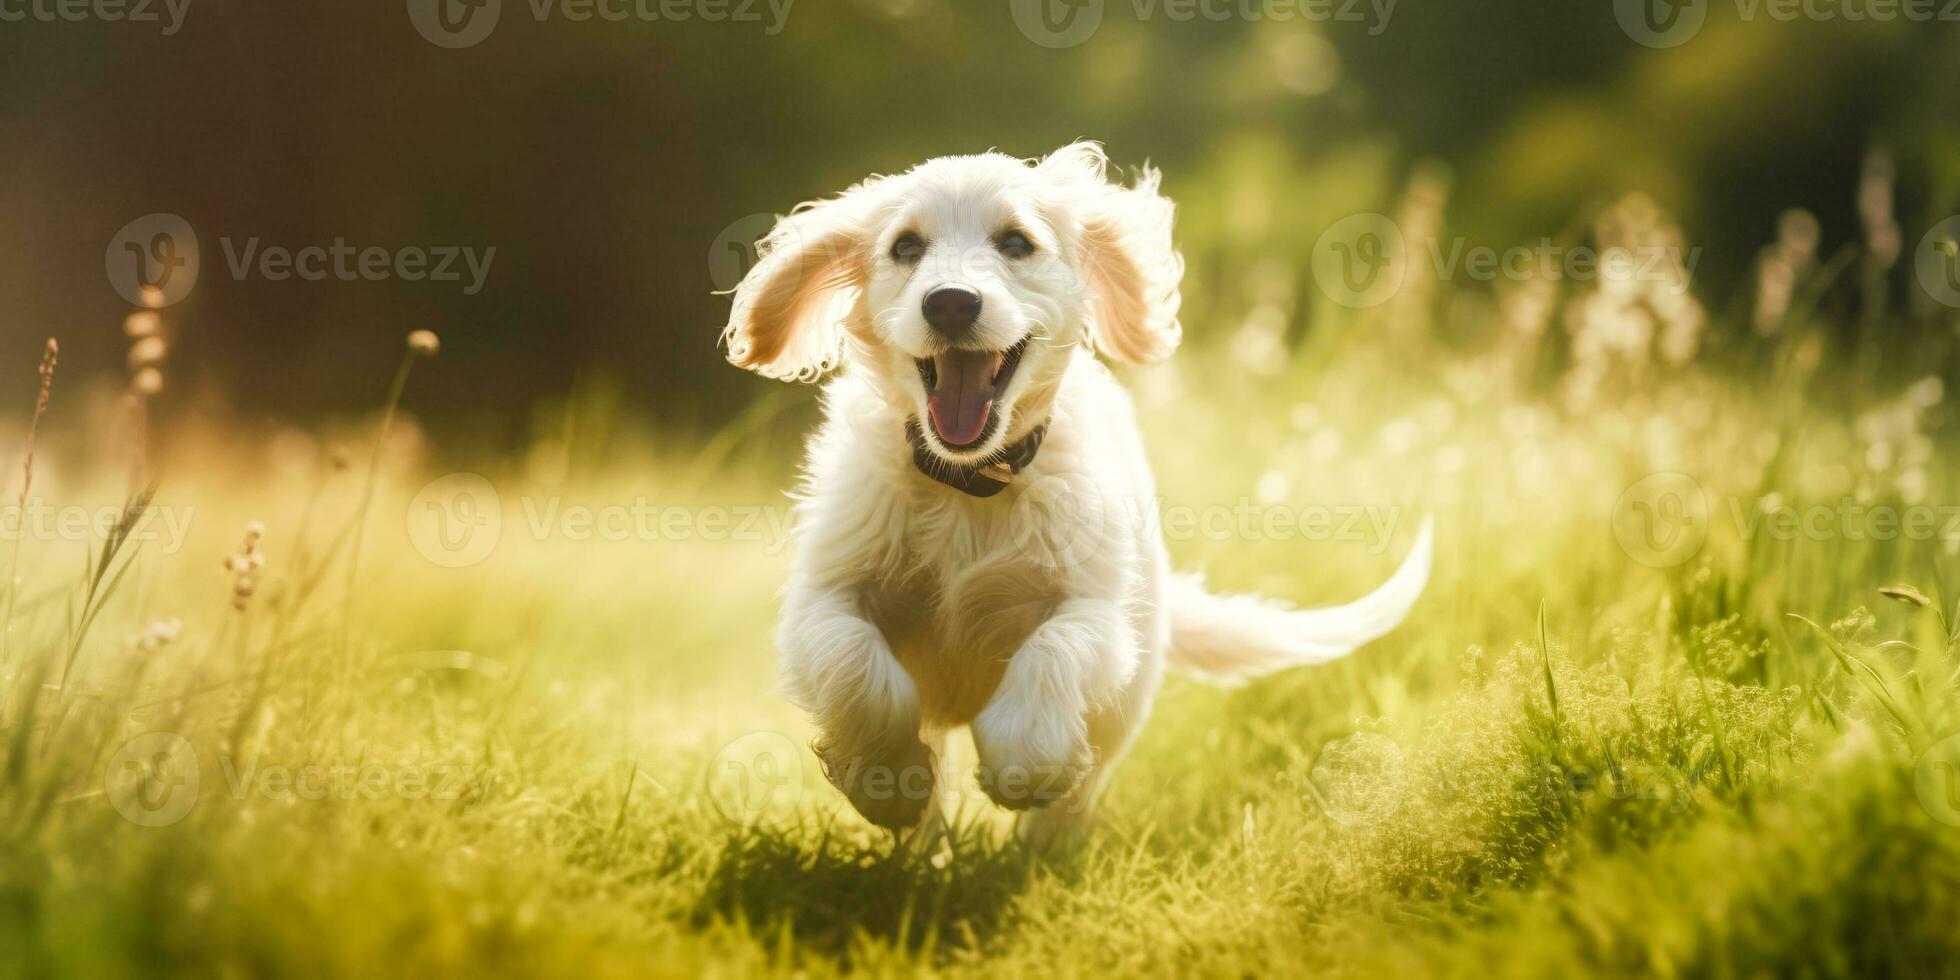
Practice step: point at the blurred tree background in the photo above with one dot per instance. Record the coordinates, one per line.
(602, 160)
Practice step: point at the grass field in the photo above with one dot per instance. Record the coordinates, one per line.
(1654, 715)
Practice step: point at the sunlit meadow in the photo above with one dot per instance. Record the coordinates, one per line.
(1681, 699)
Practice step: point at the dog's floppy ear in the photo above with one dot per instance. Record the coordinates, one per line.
(792, 310)
(1131, 268)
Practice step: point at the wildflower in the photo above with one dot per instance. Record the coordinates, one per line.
(1782, 265)
(157, 635)
(1526, 308)
(424, 342)
(1420, 220)
(147, 352)
(1906, 594)
(1875, 209)
(245, 565)
(142, 323)
(49, 355)
(1641, 307)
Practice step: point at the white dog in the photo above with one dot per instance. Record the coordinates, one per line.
(975, 532)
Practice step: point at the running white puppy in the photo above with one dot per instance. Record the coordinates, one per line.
(962, 304)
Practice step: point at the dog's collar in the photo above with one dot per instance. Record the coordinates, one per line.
(984, 478)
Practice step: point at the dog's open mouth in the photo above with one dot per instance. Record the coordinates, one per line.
(961, 386)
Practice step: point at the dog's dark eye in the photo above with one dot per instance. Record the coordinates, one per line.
(908, 249)
(1014, 244)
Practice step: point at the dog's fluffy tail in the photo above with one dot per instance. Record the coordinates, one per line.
(1227, 638)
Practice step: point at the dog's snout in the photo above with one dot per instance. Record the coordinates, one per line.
(951, 310)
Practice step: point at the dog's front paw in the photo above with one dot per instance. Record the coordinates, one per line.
(889, 784)
(1030, 759)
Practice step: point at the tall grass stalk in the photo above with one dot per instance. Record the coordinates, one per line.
(421, 343)
(105, 575)
(49, 356)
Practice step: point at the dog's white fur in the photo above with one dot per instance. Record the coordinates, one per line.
(1042, 617)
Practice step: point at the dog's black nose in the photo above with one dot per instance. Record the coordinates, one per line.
(951, 310)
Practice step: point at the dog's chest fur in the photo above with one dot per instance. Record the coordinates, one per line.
(963, 600)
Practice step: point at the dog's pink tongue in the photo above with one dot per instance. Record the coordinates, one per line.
(963, 396)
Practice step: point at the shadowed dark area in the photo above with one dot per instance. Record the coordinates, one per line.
(621, 169)
(836, 894)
